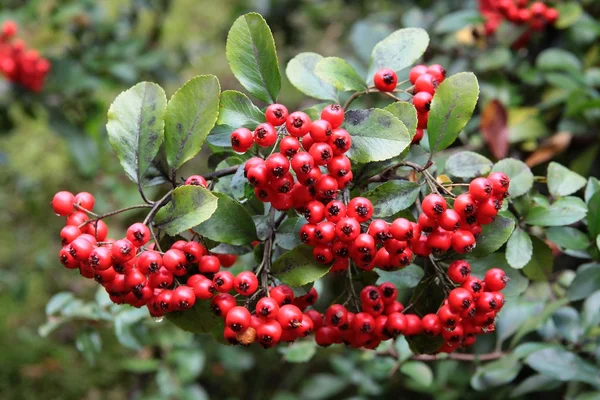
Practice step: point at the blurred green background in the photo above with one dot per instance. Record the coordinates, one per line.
(56, 140)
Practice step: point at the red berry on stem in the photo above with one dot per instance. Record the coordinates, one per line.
(241, 140)
(416, 72)
(334, 114)
(238, 319)
(426, 83)
(298, 124)
(422, 101)
(62, 203)
(265, 135)
(459, 271)
(276, 114)
(385, 80)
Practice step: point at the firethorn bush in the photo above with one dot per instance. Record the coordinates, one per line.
(354, 196)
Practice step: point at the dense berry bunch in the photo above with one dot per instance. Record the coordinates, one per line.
(19, 64)
(310, 164)
(425, 81)
(536, 16)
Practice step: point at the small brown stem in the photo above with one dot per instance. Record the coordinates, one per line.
(149, 218)
(98, 217)
(461, 356)
(222, 172)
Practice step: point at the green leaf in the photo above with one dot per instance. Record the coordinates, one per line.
(539, 268)
(199, 319)
(57, 302)
(404, 278)
(468, 164)
(299, 352)
(89, 343)
(191, 114)
(287, 233)
(566, 320)
(406, 113)
(337, 72)
(252, 57)
(189, 206)
(493, 59)
(493, 236)
(591, 311)
(398, 51)
(564, 365)
(451, 109)
(392, 197)
(568, 238)
(298, 267)
(535, 384)
(496, 373)
(591, 188)
(419, 372)
(322, 386)
(594, 215)
(457, 20)
(537, 320)
(586, 282)
(563, 211)
(521, 178)
(236, 109)
(230, 223)
(562, 181)
(376, 135)
(517, 284)
(513, 315)
(555, 59)
(519, 249)
(136, 125)
(301, 73)
(568, 14)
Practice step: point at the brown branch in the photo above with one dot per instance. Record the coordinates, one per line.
(222, 172)
(461, 356)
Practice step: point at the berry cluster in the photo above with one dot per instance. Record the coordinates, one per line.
(425, 80)
(341, 232)
(132, 272)
(304, 147)
(536, 16)
(17, 63)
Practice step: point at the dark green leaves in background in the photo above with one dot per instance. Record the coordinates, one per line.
(301, 73)
(189, 206)
(252, 57)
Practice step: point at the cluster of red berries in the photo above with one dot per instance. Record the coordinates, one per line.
(425, 81)
(470, 309)
(536, 16)
(19, 64)
(304, 147)
(132, 272)
(339, 233)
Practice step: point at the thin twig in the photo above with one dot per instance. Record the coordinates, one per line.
(141, 190)
(149, 218)
(461, 356)
(222, 172)
(98, 217)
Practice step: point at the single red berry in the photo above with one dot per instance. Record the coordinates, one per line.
(276, 114)
(310, 178)
(495, 280)
(426, 83)
(538, 8)
(298, 124)
(85, 200)
(277, 165)
(431, 325)
(339, 166)
(289, 146)
(238, 319)
(370, 295)
(396, 324)
(222, 303)
(138, 234)
(480, 189)
(500, 183)
(323, 254)
(360, 208)
(413, 325)
(307, 234)
(68, 234)
(321, 153)
(385, 80)
(282, 294)
(486, 302)
(196, 180)
(67, 259)
(439, 240)
(269, 333)
(325, 336)
(245, 283)
(183, 297)
(265, 135)
(379, 229)
(345, 181)
(418, 136)
(402, 229)
(289, 316)
(459, 300)
(175, 262)
(258, 175)
(267, 308)
(363, 322)
(447, 317)
(193, 252)
(427, 224)
(463, 241)
(241, 140)
(434, 205)
(422, 101)
(100, 258)
(347, 229)
(340, 141)
(459, 271)
(421, 247)
(325, 232)
(314, 212)
(223, 281)
(337, 315)
(302, 163)
(251, 163)
(465, 205)
(326, 187)
(320, 130)
(437, 71)
(454, 337)
(334, 114)
(422, 118)
(77, 218)
(306, 327)
(474, 286)
(161, 279)
(80, 249)
(149, 262)
(335, 210)
(551, 15)
(416, 72)
(62, 203)
(449, 220)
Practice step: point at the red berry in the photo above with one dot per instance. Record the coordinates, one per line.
(426, 83)
(337, 315)
(241, 140)
(175, 262)
(363, 322)
(196, 180)
(267, 308)
(439, 240)
(551, 15)
(138, 234)
(310, 178)
(538, 8)
(238, 319)
(418, 135)
(325, 232)
(447, 317)
(463, 241)
(100, 258)
(480, 189)
(282, 294)
(68, 234)
(347, 229)
(495, 280)
(161, 279)
(500, 183)
(431, 325)
(413, 325)
(323, 254)
(385, 80)
(321, 153)
(183, 297)
(302, 163)
(245, 283)
(396, 324)
(334, 114)
(326, 187)
(486, 302)
(379, 229)
(326, 336)
(320, 130)
(289, 316)
(223, 281)
(416, 72)
(459, 271)
(307, 234)
(340, 141)
(339, 166)
(459, 300)
(437, 71)
(314, 212)
(222, 303)
(360, 208)
(289, 146)
(465, 205)
(85, 200)
(449, 220)
(62, 203)
(269, 333)
(427, 224)
(473, 285)
(277, 165)
(402, 229)
(422, 118)
(421, 247)
(334, 211)
(258, 175)
(265, 135)
(276, 114)
(298, 124)
(193, 252)
(422, 101)
(434, 205)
